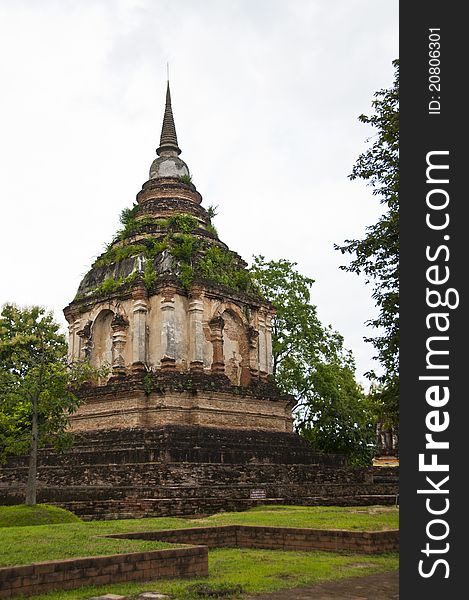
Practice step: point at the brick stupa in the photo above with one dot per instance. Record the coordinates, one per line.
(173, 311)
(188, 420)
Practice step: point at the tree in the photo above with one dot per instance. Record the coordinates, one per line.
(310, 362)
(376, 255)
(36, 397)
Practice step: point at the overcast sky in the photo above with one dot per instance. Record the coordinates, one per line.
(266, 95)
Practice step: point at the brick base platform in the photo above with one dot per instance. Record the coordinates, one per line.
(189, 470)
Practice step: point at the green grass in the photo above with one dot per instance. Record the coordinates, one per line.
(254, 570)
(23, 545)
(248, 570)
(362, 518)
(41, 514)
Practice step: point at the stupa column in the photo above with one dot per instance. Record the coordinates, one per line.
(268, 343)
(119, 327)
(73, 340)
(253, 338)
(262, 346)
(139, 311)
(168, 329)
(216, 329)
(196, 332)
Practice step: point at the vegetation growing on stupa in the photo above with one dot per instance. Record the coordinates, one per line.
(190, 245)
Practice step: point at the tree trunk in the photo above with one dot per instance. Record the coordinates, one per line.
(32, 470)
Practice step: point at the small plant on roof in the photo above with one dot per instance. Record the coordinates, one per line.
(185, 246)
(128, 214)
(183, 222)
(109, 285)
(187, 179)
(212, 211)
(149, 274)
(211, 229)
(186, 275)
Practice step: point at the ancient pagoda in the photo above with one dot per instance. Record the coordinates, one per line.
(188, 419)
(176, 316)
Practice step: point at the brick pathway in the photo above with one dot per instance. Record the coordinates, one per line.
(381, 586)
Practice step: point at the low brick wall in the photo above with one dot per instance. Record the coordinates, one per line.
(277, 538)
(290, 538)
(100, 570)
(183, 562)
(225, 536)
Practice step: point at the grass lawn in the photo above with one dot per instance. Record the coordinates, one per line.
(238, 570)
(249, 571)
(362, 518)
(24, 545)
(41, 514)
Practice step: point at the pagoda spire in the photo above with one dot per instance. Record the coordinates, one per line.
(168, 140)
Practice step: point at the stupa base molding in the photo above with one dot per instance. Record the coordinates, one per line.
(168, 397)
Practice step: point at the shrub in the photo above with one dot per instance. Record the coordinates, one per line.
(186, 275)
(187, 179)
(149, 274)
(128, 214)
(185, 246)
(185, 223)
(212, 211)
(211, 229)
(115, 255)
(109, 285)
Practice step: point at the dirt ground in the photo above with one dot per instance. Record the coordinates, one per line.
(381, 586)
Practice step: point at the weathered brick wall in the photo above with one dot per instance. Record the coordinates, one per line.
(191, 475)
(99, 570)
(182, 500)
(277, 538)
(137, 508)
(178, 443)
(181, 470)
(212, 537)
(385, 474)
(196, 398)
(283, 538)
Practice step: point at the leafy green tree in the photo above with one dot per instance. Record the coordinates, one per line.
(376, 255)
(310, 362)
(36, 382)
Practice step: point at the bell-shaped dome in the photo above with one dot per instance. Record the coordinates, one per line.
(168, 166)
